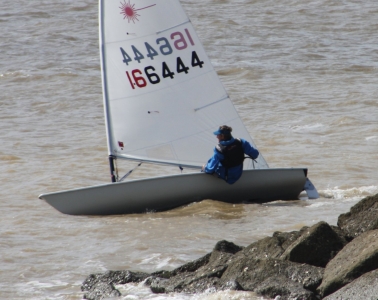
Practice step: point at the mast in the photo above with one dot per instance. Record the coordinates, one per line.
(105, 95)
(112, 169)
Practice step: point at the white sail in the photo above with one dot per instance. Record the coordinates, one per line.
(163, 99)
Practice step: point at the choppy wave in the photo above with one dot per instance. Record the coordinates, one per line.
(351, 193)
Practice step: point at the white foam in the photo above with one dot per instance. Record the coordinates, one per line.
(152, 257)
(38, 284)
(352, 193)
(374, 137)
(163, 263)
(228, 295)
(131, 291)
(318, 204)
(307, 127)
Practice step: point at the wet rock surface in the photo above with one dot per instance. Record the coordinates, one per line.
(317, 262)
(286, 288)
(259, 275)
(99, 286)
(365, 287)
(316, 246)
(355, 259)
(362, 217)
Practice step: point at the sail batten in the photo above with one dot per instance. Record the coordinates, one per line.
(207, 105)
(183, 23)
(163, 98)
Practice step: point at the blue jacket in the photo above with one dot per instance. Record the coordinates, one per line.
(214, 164)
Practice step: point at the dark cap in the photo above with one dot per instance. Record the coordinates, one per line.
(220, 131)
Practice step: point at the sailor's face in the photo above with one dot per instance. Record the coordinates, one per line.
(220, 137)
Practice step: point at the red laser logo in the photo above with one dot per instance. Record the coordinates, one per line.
(130, 12)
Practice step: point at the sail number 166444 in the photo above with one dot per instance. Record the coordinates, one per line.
(138, 78)
(163, 44)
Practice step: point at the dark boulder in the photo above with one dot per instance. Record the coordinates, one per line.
(229, 268)
(362, 217)
(283, 287)
(355, 259)
(99, 286)
(199, 275)
(102, 290)
(250, 273)
(191, 266)
(316, 246)
(227, 247)
(364, 287)
(271, 247)
(266, 248)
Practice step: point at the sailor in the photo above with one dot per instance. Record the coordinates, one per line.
(228, 157)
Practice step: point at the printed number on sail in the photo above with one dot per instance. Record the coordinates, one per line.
(136, 78)
(179, 42)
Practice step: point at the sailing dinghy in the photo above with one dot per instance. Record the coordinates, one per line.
(162, 102)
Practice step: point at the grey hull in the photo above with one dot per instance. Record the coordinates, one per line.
(163, 193)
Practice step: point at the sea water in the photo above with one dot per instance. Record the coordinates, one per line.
(303, 75)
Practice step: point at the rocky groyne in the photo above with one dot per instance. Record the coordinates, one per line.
(317, 262)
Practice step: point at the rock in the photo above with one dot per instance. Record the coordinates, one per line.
(227, 247)
(364, 287)
(102, 290)
(286, 266)
(316, 246)
(116, 277)
(250, 273)
(284, 288)
(99, 286)
(230, 286)
(362, 217)
(228, 268)
(200, 275)
(356, 258)
(174, 284)
(270, 247)
(204, 285)
(191, 266)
